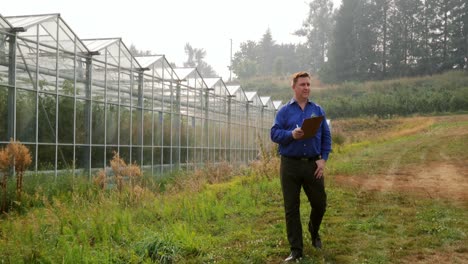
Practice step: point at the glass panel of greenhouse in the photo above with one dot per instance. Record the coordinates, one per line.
(239, 123)
(267, 118)
(255, 133)
(75, 103)
(218, 108)
(195, 118)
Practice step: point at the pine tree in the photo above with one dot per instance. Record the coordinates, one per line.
(317, 28)
(267, 56)
(458, 34)
(405, 37)
(383, 9)
(354, 51)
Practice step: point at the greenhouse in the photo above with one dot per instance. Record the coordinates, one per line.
(76, 102)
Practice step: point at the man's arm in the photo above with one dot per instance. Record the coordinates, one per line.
(279, 132)
(326, 140)
(325, 148)
(281, 136)
(320, 168)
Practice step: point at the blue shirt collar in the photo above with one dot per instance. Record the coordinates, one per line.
(292, 101)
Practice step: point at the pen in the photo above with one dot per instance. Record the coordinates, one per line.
(297, 126)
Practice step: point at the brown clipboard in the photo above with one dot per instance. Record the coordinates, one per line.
(310, 126)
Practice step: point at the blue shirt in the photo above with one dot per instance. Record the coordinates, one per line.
(286, 120)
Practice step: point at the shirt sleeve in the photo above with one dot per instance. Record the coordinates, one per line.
(326, 139)
(278, 133)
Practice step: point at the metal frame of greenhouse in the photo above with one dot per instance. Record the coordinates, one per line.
(75, 102)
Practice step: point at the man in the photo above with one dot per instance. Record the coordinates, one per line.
(302, 163)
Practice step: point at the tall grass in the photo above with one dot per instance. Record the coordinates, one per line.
(225, 215)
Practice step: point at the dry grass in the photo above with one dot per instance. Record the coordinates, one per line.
(267, 164)
(127, 177)
(123, 170)
(100, 179)
(366, 129)
(118, 166)
(18, 157)
(200, 177)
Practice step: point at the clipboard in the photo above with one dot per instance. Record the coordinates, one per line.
(310, 126)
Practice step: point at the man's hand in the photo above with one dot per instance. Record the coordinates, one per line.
(320, 168)
(297, 133)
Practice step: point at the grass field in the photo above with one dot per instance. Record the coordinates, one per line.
(396, 190)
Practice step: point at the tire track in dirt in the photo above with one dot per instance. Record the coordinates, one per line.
(435, 175)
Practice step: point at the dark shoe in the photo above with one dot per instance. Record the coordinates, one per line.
(293, 257)
(317, 242)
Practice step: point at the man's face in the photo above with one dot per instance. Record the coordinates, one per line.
(302, 88)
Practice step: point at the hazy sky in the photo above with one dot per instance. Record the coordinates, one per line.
(165, 26)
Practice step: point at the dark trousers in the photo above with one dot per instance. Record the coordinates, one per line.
(294, 175)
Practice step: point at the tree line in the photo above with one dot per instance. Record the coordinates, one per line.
(366, 40)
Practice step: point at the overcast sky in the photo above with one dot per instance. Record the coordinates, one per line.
(165, 26)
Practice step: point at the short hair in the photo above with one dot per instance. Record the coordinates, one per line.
(298, 75)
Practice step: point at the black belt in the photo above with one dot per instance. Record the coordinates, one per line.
(314, 158)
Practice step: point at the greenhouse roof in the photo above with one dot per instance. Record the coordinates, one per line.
(158, 66)
(30, 20)
(48, 29)
(237, 92)
(99, 44)
(232, 89)
(183, 73)
(266, 101)
(217, 85)
(277, 104)
(112, 50)
(251, 95)
(190, 77)
(4, 23)
(211, 82)
(148, 61)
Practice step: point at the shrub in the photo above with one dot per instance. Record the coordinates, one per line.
(122, 173)
(338, 140)
(18, 157)
(267, 164)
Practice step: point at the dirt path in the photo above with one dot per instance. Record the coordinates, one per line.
(436, 180)
(433, 180)
(435, 176)
(433, 171)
